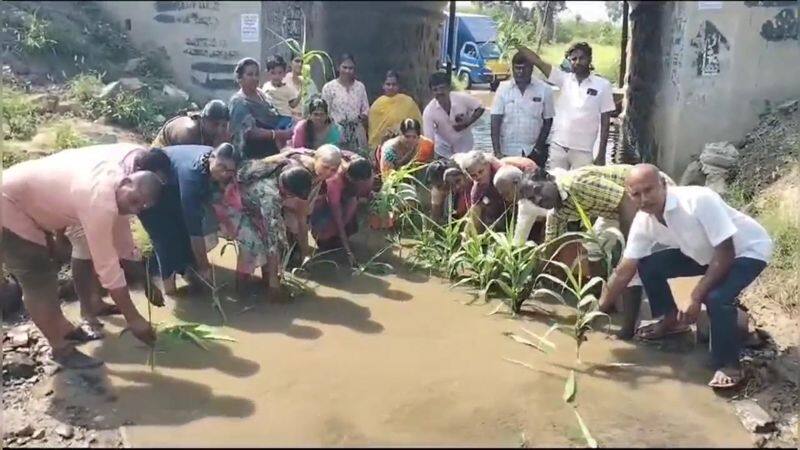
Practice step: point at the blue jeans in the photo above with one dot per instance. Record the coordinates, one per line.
(659, 267)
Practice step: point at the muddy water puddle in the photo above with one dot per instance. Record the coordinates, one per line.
(392, 360)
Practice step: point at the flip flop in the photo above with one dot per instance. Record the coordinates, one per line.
(680, 329)
(84, 333)
(735, 381)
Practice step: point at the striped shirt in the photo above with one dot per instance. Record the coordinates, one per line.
(597, 189)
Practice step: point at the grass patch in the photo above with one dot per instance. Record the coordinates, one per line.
(68, 137)
(19, 115)
(85, 86)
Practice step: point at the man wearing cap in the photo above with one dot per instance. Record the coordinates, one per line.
(210, 128)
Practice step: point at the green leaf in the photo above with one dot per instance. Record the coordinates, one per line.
(551, 293)
(590, 442)
(590, 284)
(570, 389)
(194, 338)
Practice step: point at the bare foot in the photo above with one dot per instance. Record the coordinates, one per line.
(726, 378)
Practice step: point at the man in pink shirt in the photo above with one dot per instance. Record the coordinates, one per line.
(448, 118)
(41, 198)
(132, 158)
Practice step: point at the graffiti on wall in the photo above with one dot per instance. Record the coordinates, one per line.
(709, 44)
(675, 58)
(292, 26)
(782, 27)
(211, 66)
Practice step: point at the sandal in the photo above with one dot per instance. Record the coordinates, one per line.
(650, 333)
(83, 333)
(72, 358)
(733, 380)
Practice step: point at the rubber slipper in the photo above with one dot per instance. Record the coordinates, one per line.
(72, 358)
(735, 381)
(678, 330)
(83, 333)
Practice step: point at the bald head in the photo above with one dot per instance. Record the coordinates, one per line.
(647, 188)
(138, 191)
(507, 180)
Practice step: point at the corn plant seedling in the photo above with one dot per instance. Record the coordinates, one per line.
(587, 308)
(518, 264)
(215, 291)
(477, 263)
(433, 245)
(374, 267)
(398, 192)
(194, 333)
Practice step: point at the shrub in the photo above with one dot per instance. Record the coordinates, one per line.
(35, 37)
(67, 137)
(84, 87)
(19, 116)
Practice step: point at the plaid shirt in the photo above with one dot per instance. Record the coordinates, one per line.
(598, 189)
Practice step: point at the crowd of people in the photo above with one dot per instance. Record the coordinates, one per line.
(283, 160)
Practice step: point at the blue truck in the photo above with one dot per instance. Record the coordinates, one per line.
(475, 55)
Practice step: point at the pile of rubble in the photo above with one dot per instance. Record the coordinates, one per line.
(756, 161)
(28, 393)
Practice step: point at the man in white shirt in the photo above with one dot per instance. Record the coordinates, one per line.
(522, 114)
(707, 237)
(448, 118)
(583, 108)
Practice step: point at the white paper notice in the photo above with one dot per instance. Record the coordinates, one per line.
(709, 5)
(250, 28)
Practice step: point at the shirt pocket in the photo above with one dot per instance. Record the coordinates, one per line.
(531, 106)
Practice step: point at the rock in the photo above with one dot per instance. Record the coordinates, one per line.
(69, 107)
(788, 369)
(720, 154)
(131, 84)
(753, 417)
(789, 106)
(693, 175)
(65, 431)
(18, 337)
(18, 365)
(25, 431)
(133, 64)
(173, 92)
(38, 434)
(46, 102)
(104, 139)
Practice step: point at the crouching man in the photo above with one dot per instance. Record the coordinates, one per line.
(41, 198)
(708, 238)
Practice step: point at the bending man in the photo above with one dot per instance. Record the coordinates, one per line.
(727, 247)
(42, 197)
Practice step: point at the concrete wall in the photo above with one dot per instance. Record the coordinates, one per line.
(721, 68)
(403, 36)
(204, 39)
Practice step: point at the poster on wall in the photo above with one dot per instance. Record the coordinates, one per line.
(249, 27)
(702, 6)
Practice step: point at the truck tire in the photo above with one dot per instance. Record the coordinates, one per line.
(463, 77)
(493, 85)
